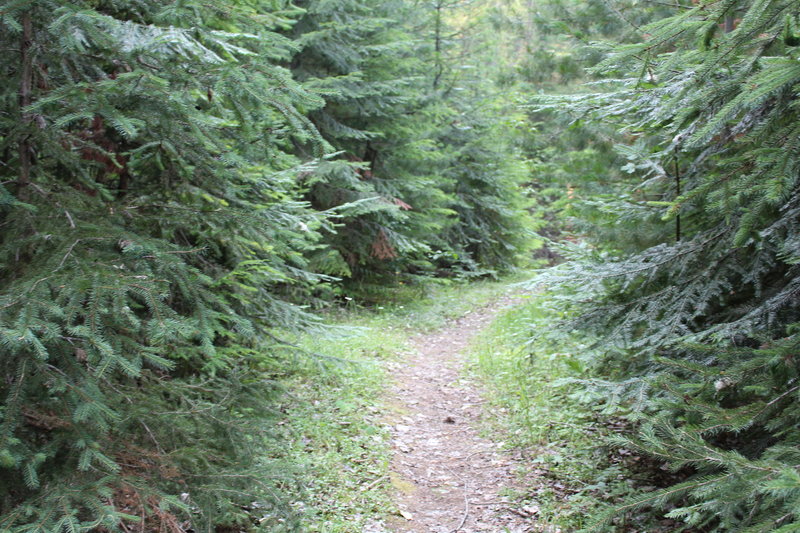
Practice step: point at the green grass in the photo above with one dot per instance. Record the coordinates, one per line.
(424, 307)
(538, 409)
(334, 430)
(336, 413)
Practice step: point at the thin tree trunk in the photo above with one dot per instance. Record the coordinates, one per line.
(25, 98)
(438, 44)
(730, 23)
(677, 195)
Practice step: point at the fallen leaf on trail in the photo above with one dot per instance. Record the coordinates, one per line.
(406, 515)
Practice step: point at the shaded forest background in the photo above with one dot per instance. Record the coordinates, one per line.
(183, 185)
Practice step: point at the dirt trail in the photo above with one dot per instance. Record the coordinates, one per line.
(448, 478)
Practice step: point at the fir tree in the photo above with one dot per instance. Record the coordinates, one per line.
(360, 57)
(700, 324)
(177, 177)
(443, 202)
(479, 143)
(150, 223)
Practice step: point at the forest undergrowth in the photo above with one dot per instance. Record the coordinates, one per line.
(562, 430)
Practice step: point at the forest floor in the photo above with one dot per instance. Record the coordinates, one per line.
(448, 478)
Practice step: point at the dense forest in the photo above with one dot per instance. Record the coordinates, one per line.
(187, 187)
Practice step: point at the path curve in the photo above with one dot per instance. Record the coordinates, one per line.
(449, 478)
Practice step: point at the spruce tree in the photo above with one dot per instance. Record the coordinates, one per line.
(442, 203)
(180, 181)
(699, 327)
(360, 57)
(151, 224)
(479, 133)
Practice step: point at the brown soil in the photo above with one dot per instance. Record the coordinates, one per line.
(448, 478)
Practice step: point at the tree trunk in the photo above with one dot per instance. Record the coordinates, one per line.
(677, 194)
(25, 98)
(438, 44)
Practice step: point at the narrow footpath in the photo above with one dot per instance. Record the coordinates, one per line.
(447, 477)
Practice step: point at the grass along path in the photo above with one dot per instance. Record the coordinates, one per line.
(442, 419)
(446, 417)
(561, 428)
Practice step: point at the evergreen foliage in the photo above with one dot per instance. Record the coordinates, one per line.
(180, 182)
(698, 316)
(150, 225)
(407, 143)
(546, 46)
(487, 170)
(361, 58)
(479, 144)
